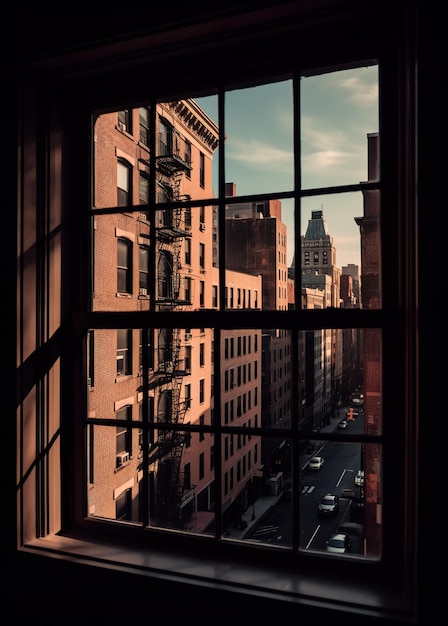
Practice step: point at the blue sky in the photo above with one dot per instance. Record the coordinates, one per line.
(338, 111)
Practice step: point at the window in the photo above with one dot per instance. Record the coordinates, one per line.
(124, 183)
(202, 169)
(188, 395)
(187, 158)
(202, 255)
(124, 352)
(125, 120)
(124, 505)
(144, 125)
(187, 287)
(164, 276)
(143, 279)
(143, 188)
(187, 251)
(308, 331)
(123, 436)
(201, 354)
(124, 263)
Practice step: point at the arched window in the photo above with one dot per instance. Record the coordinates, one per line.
(165, 271)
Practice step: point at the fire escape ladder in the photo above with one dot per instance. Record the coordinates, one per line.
(170, 231)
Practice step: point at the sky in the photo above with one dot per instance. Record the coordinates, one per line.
(338, 111)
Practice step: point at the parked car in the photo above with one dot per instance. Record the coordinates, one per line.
(359, 478)
(343, 424)
(328, 505)
(339, 542)
(315, 463)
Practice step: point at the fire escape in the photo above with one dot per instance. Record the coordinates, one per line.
(169, 370)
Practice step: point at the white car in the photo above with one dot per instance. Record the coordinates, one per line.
(359, 478)
(338, 542)
(315, 463)
(328, 505)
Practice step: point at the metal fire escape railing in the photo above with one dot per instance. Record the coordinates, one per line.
(170, 370)
(167, 450)
(170, 223)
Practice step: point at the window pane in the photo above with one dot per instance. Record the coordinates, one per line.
(257, 255)
(186, 141)
(340, 380)
(338, 111)
(340, 491)
(340, 250)
(259, 155)
(112, 488)
(181, 482)
(185, 260)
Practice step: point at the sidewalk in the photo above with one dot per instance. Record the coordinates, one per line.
(260, 508)
(265, 502)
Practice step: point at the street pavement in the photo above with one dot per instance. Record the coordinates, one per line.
(265, 501)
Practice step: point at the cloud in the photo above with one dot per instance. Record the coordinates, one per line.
(254, 153)
(329, 148)
(325, 159)
(360, 91)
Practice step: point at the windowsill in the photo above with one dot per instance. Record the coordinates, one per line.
(359, 598)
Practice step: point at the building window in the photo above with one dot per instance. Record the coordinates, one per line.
(307, 330)
(124, 352)
(143, 275)
(188, 359)
(123, 505)
(187, 396)
(124, 263)
(165, 271)
(124, 436)
(202, 169)
(187, 251)
(143, 189)
(187, 287)
(187, 158)
(144, 115)
(201, 354)
(125, 120)
(124, 183)
(202, 255)
(201, 293)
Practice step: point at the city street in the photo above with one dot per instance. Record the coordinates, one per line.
(342, 461)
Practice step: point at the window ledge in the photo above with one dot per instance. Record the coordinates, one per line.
(357, 599)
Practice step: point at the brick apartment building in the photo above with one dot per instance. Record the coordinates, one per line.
(148, 259)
